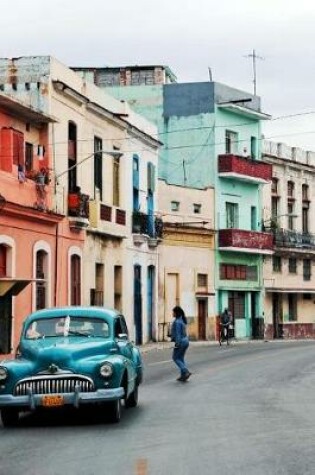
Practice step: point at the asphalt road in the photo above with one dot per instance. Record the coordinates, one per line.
(248, 409)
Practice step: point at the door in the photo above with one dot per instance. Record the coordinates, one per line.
(150, 299)
(277, 317)
(5, 323)
(202, 319)
(137, 305)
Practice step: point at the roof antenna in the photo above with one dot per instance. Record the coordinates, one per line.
(210, 74)
(254, 56)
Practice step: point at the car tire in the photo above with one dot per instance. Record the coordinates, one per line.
(114, 411)
(132, 400)
(10, 417)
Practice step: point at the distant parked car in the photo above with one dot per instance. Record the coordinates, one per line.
(71, 356)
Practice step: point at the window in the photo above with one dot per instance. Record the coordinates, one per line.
(18, 148)
(233, 272)
(231, 142)
(290, 189)
(274, 186)
(292, 265)
(116, 181)
(28, 156)
(41, 273)
(98, 168)
(72, 156)
(75, 276)
(290, 216)
(305, 192)
(3, 260)
(174, 205)
(231, 215)
(274, 206)
(202, 280)
(253, 218)
(253, 147)
(276, 263)
(307, 269)
(197, 208)
(305, 213)
(292, 304)
(97, 294)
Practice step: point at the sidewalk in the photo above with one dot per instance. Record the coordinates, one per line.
(163, 345)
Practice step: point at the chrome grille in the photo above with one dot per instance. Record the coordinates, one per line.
(53, 384)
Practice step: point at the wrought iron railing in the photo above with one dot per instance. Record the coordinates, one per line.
(288, 238)
(148, 224)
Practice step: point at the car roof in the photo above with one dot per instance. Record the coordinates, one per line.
(101, 312)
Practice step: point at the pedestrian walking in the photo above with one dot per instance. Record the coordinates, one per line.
(225, 322)
(180, 338)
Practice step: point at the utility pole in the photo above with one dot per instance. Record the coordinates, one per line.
(254, 57)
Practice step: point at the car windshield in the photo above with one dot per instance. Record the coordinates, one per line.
(67, 326)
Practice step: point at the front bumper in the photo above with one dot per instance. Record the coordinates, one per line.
(76, 398)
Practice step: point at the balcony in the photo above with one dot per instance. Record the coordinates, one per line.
(107, 220)
(245, 169)
(146, 227)
(285, 238)
(78, 210)
(239, 240)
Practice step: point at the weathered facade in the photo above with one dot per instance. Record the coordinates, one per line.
(186, 258)
(289, 277)
(104, 160)
(211, 135)
(35, 241)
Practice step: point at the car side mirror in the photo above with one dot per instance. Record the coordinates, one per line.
(123, 336)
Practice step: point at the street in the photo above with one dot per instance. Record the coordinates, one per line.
(247, 409)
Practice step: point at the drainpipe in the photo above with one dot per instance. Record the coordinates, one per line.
(56, 264)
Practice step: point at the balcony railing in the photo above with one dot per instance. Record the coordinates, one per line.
(143, 223)
(239, 238)
(231, 166)
(78, 205)
(287, 238)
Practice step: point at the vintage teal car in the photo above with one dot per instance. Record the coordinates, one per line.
(69, 357)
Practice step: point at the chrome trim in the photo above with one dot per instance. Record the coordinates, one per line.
(57, 383)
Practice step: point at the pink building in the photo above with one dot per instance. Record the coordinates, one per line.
(40, 254)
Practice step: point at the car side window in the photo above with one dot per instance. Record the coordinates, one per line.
(123, 325)
(117, 328)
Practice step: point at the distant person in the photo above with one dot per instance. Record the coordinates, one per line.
(225, 322)
(179, 337)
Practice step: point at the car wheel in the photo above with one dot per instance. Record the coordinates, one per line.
(114, 411)
(132, 400)
(10, 417)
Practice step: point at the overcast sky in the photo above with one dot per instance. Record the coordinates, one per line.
(189, 36)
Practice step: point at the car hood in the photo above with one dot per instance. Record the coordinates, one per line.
(65, 352)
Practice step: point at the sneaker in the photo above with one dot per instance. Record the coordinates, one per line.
(187, 376)
(181, 378)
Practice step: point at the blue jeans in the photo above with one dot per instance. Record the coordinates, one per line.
(179, 354)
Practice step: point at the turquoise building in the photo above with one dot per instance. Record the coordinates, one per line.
(211, 135)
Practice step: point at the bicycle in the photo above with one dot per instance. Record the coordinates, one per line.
(224, 333)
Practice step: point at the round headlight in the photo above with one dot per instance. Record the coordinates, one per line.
(106, 370)
(3, 373)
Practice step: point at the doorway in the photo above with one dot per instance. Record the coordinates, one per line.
(137, 304)
(5, 323)
(202, 319)
(150, 290)
(277, 315)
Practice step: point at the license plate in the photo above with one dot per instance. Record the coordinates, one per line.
(52, 401)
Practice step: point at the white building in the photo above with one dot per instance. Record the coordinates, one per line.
(289, 274)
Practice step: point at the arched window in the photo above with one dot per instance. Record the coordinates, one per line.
(3, 260)
(41, 276)
(75, 283)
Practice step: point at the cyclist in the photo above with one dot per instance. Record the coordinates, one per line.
(225, 322)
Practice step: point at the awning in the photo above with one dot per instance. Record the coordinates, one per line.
(14, 286)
